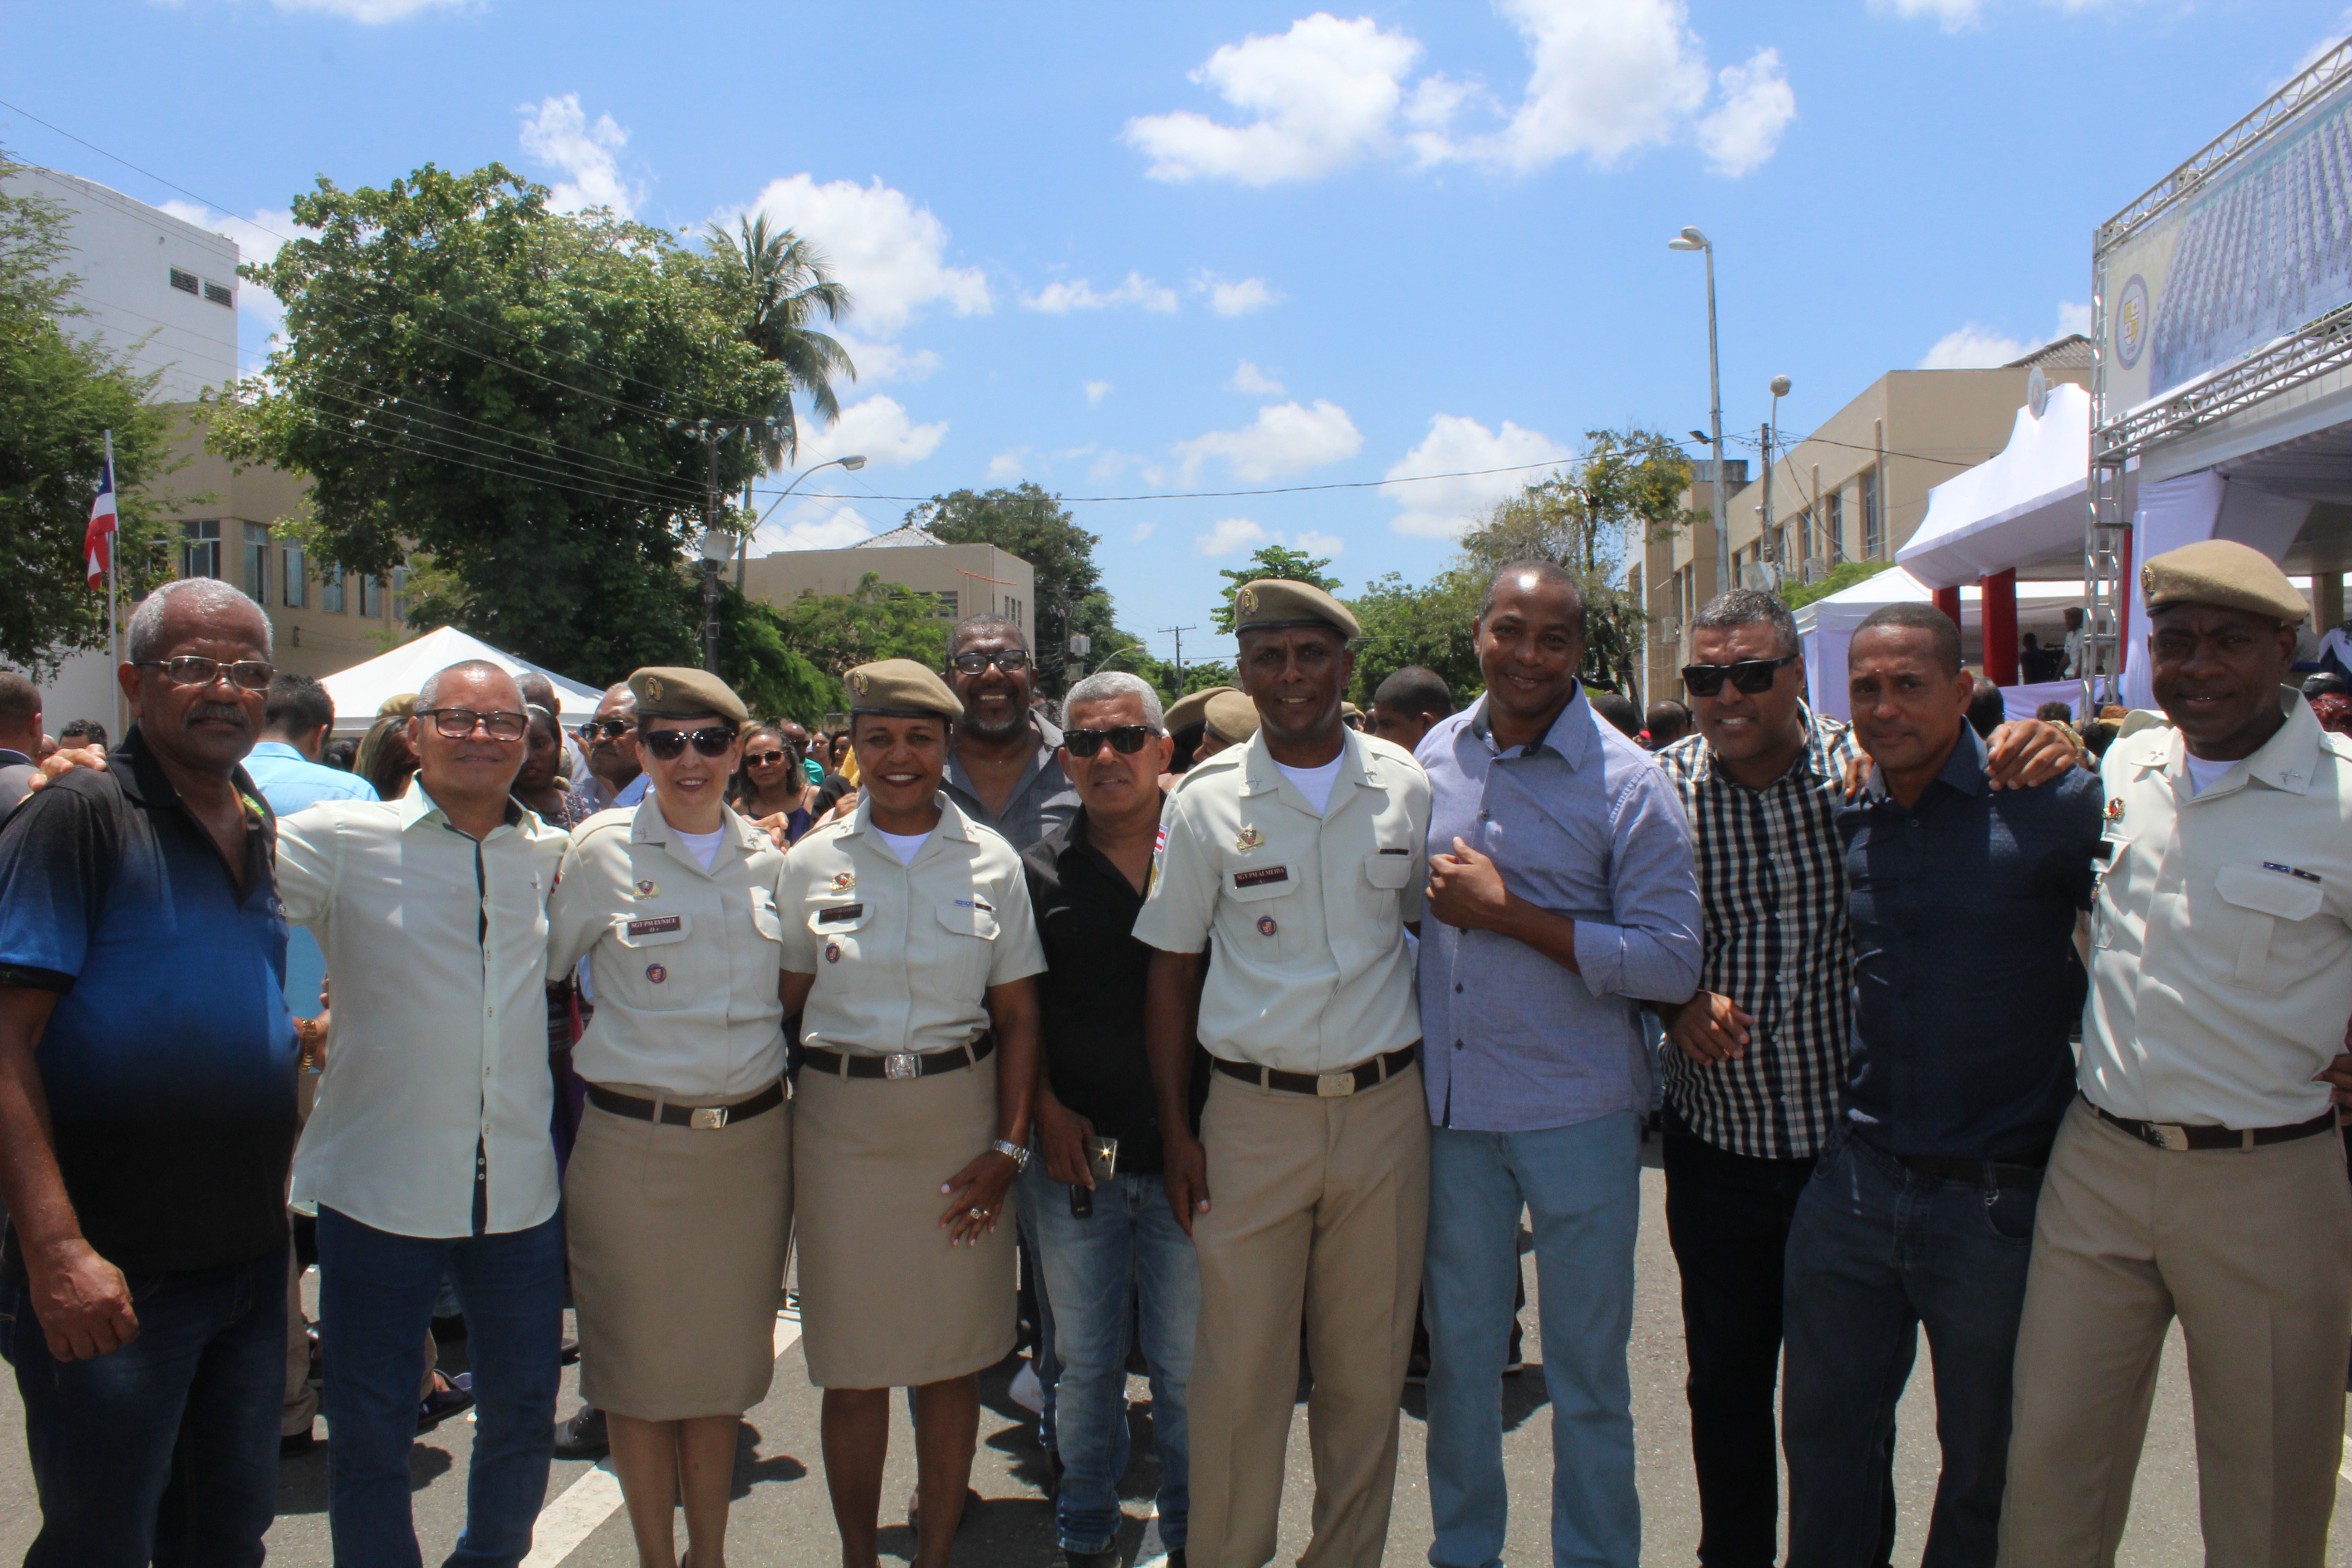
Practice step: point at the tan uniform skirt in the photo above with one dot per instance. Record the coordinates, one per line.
(677, 1239)
(885, 1302)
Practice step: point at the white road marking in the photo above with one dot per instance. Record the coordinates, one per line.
(595, 1497)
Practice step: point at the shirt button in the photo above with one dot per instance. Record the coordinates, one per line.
(1457, 1044)
(1457, 986)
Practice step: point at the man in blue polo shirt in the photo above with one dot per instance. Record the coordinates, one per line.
(147, 1072)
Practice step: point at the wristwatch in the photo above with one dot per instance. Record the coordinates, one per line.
(1014, 1152)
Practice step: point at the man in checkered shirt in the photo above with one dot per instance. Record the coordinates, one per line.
(1756, 1058)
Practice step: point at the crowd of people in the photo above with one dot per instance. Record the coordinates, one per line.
(1242, 1035)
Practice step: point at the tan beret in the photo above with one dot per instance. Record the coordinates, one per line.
(1191, 708)
(2224, 573)
(1232, 717)
(672, 691)
(400, 707)
(1349, 711)
(1272, 602)
(901, 687)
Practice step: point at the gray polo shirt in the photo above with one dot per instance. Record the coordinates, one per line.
(1044, 800)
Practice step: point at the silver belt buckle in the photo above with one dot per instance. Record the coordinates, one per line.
(707, 1117)
(2170, 1136)
(1334, 1085)
(902, 1064)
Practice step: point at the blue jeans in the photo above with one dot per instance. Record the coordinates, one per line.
(375, 1302)
(1876, 1250)
(165, 1450)
(1130, 1251)
(1582, 1189)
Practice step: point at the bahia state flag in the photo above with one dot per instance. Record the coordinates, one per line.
(98, 540)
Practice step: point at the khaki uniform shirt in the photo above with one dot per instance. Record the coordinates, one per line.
(2221, 949)
(686, 962)
(1310, 970)
(903, 955)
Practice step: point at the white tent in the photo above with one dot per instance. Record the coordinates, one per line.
(1827, 624)
(2027, 503)
(359, 690)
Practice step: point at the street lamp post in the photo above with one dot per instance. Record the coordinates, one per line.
(1692, 239)
(850, 463)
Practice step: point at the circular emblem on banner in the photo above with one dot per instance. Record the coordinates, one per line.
(2131, 321)
(657, 974)
(1265, 926)
(832, 953)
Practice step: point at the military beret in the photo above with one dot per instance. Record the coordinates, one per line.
(1191, 708)
(1272, 602)
(1232, 717)
(665, 691)
(902, 687)
(1349, 711)
(2224, 573)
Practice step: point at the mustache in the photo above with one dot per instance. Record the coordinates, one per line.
(229, 711)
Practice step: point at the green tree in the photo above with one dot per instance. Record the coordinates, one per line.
(512, 391)
(837, 632)
(1271, 560)
(771, 676)
(1029, 522)
(1429, 624)
(786, 284)
(1842, 575)
(59, 394)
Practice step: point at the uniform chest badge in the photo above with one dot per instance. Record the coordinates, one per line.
(645, 888)
(657, 974)
(2115, 812)
(1248, 839)
(844, 881)
(1265, 926)
(832, 953)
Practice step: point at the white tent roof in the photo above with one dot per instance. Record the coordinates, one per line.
(359, 690)
(2022, 505)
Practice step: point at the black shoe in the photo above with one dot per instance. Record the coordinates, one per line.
(1176, 1558)
(1111, 1559)
(1516, 1361)
(454, 1398)
(293, 1446)
(584, 1436)
(1416, 1369)
(449, 1331)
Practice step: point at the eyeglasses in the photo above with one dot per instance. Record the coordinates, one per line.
(765, 758)
(670, 744)
(457, 723)
(1751, 676)
(194, 669)
(1011, 660)
(605, 729)
(1127, 740)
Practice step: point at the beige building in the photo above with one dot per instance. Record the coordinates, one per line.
(960, 580)
(1854, 490)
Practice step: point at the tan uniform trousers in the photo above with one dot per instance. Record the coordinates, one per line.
(1318, 1209)
(2252, 1249)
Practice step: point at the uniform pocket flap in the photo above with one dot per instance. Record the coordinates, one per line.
(1387, 870)
(652, 931)
(1247, 884)
(2280, 893)
(969, 917)
(836, 915)
(765, 917)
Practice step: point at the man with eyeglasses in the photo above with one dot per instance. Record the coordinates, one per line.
(429, 1147)
(147, 1111)
(614, 778)
(1756, 1057)
(1003, 770)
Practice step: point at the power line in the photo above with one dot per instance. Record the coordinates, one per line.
(1227, 495)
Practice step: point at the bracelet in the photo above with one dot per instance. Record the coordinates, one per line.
(1014, 1152)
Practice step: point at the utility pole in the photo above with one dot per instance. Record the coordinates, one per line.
(1179, 632)
(716, 547)
(1771, 548)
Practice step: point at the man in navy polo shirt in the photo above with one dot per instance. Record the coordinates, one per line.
(147, 1067)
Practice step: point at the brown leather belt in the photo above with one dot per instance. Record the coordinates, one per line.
(2178, 1136)
(701, 1118)
(902, 1064)
(1324, 1084)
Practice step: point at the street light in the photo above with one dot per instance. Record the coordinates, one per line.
(1692, 239)
(850, 463)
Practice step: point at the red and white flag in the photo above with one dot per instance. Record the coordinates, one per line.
(98, 542)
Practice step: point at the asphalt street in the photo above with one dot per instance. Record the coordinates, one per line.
(781, 1514)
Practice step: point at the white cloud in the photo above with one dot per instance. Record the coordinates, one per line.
(1756, 107)
(878, 361)
(1321, 95)
(2074, 318)
(1232, 535)
(1442, 508)
(877, 427)
(1237, 298)
(368, 11)
(1955, 15)
(257, 239)
(1248, 378)
(1009, 464)
(1141, 532)
(813, 523)
(558, 134)
(1607, 76)
(1062, 298)
(1285, 438)
(1975, 347)
(890, 252)
(1310, 542)
(1096, 392)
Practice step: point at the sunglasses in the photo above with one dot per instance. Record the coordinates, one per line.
(1127, 740)
(670, 744)
(1011, 660)
(765, 758)
(194, 669)
(1752, 676)
(457, 723)
(605, 729)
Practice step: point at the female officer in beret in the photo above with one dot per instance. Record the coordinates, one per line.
(679, 1193)
(909, 949)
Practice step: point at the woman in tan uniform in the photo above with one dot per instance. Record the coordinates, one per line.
(909, 952)
(678, 1199)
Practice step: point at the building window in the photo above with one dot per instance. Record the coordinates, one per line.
(1833, 526)
(199, 554)
(944, 604)
(290, 571)
(216, 295)
(330, 589)
(1012, 611)
(256, 563)
(1874, 525)
(371, 598)
(185, 282)
(400, 595)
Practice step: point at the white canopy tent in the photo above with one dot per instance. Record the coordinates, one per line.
(1827, 624)
(2027, 503)
(359, 690)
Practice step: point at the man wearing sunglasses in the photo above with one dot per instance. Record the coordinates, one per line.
(614, 778)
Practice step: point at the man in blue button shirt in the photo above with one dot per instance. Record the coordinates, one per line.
(1962, 902)
(285, 765)
(1561, 897)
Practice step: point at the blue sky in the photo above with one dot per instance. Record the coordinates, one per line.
(1139, 250)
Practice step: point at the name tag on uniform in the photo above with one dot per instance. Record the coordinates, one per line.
(2295, 871)
(838, 913)
(656, 926)
(1262, 876)
(1396, 851)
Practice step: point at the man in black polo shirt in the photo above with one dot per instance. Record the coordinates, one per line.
(1920, 1209)
(147, 1076)
(1087, 880)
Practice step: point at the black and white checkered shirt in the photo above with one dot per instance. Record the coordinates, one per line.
(1772, 886)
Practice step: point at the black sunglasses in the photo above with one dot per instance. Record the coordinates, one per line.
(1751, 676)
(670, 744)
(1126, 740)
(609, 729)
(764, 758)
(1011, 660)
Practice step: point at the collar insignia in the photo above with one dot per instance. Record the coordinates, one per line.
(1248, 839)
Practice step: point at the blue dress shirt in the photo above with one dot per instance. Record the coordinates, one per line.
(289, 781)
(1584, 824)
